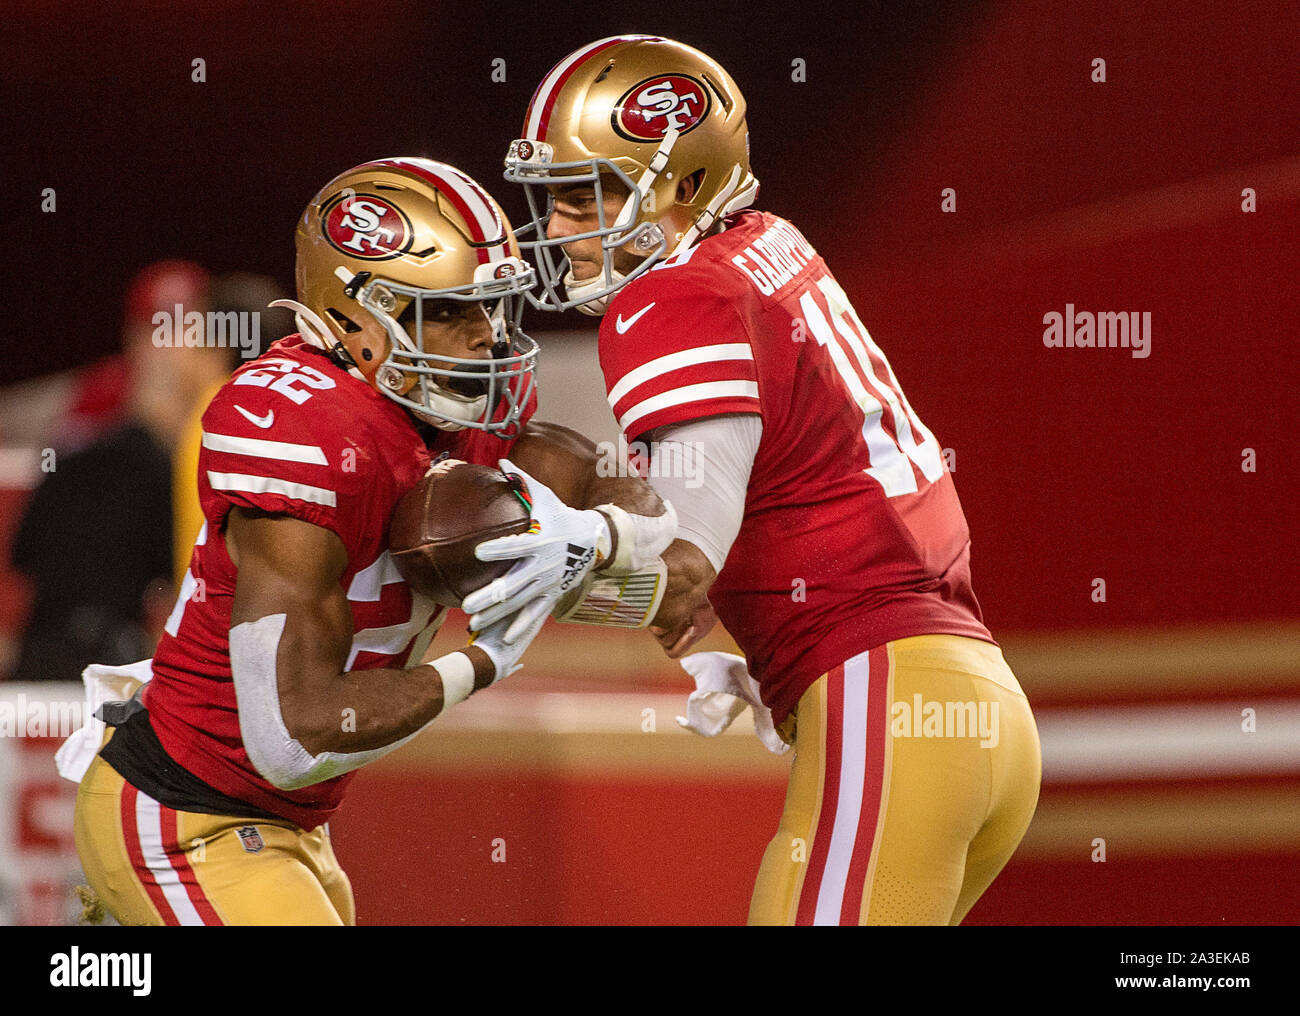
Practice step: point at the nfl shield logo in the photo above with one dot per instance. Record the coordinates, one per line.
(251, 838)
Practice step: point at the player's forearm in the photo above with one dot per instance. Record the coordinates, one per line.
(710, 515)
(689, 577)
(302, 721)
(571, 465)
(367, 710)
(632, 494)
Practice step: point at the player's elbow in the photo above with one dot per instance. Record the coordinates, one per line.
(280, 777)
(295, 749)
(274, 740)
(280, 758)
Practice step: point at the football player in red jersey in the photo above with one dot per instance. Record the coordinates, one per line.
(293, 655)
(828, 536)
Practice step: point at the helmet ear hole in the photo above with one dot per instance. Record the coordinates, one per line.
(343, 321)
(697, 183)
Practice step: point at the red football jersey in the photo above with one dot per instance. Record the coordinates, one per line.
(293, 433)
(852, 534)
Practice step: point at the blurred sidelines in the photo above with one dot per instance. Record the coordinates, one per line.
(569, 796)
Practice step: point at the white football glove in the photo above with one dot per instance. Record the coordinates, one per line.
(503, 653)
(561, 547)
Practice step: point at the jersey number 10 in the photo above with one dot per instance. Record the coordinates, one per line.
(889, 455)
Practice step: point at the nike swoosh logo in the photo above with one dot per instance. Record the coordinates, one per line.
(622, 325)
(258, 421)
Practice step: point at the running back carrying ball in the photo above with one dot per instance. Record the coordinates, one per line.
(440, 521)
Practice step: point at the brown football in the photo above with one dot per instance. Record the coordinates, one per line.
(440, 521)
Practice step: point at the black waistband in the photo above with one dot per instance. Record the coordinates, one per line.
(137, 755)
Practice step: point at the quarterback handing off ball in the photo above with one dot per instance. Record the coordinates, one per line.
(440, 521)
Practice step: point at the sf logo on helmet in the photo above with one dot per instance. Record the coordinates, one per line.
(364, 226)
(651, 108)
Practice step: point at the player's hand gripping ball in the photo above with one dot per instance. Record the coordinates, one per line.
(440, 521)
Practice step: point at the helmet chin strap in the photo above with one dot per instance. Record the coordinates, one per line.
(597, 305)
(445, 405)
(313, 329)
(726, 202)
(612, 278)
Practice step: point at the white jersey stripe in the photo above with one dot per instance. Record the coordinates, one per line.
(282, 450)
(848, 805)
(188, 585)
(148, 824)
(367, 585)
(675, 361)
(393, 639)
(270, 485)
(689, 393)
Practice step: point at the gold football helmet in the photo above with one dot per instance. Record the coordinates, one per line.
(375, 247)
(649, 112)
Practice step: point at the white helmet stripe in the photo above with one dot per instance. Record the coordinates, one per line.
(481, 207)
(473, 203)
(559, 74)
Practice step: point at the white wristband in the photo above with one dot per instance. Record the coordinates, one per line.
(640, 538)
(457, 673)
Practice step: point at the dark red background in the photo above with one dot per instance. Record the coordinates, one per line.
(1072, 464)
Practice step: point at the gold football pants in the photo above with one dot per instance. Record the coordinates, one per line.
(916, 773)
(150, 864)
